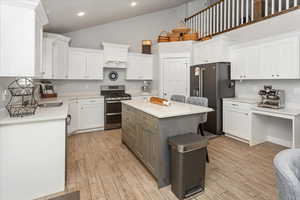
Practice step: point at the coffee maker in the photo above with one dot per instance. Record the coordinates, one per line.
(271, 98)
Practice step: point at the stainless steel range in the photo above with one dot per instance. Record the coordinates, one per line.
(113, 95)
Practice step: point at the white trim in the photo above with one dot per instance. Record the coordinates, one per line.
(236, 138)
(279, 141)
(87, 131)
(57, 37)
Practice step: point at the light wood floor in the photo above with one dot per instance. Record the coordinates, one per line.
(104, 169)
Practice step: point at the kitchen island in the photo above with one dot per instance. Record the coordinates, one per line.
(146, 128)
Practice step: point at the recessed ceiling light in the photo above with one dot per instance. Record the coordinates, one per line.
(80, 14)
(132, 4)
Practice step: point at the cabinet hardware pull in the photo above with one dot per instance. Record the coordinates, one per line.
(235, 104)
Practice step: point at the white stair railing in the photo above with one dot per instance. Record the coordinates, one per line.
(226, 15)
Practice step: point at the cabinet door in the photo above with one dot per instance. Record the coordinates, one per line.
(39, 49)
(200, 54)
(60, 60)
(94, 66)
(238, 65)
(288, 62)
(269, 57)
(175, 73)
(140, 67)
(47, 58)
(73, 111)
(240, 129)
(147, 68)
(132, 70)
(152, 151)
(77, 68)
(91, 115)
(252, 63)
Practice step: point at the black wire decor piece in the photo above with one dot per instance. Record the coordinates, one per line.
(22, 102)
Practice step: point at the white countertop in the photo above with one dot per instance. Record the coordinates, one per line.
(283, 111)
(287, 110)
(242, 100)
(45, 114)
(174, 110)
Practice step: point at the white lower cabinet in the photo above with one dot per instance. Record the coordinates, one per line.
(236, 120)
(91, 114)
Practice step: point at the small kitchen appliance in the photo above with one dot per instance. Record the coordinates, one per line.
(146, 88)
(271, 98)
(47, 89)
(113, 95)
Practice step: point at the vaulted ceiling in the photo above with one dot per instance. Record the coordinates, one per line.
(63, 13)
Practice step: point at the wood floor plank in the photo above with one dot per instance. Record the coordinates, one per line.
(102, 168)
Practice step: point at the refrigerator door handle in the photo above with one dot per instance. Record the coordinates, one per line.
(201, 82)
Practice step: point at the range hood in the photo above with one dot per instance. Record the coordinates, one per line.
(115, 55)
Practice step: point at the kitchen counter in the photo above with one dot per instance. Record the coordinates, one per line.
(46, 114)
(242, 100)
(146, 128)
(174, 110)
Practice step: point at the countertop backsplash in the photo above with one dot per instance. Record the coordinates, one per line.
(250, 89)
(71, 87)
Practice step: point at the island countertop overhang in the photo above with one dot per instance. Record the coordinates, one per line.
(174, 110)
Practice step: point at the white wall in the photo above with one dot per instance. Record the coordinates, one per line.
(250, 89)
(129, 31)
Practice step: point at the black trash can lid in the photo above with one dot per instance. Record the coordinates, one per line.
(188, 142)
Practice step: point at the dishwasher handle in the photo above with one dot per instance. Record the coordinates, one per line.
(69, 119)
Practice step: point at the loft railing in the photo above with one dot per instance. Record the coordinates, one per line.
(227, 15)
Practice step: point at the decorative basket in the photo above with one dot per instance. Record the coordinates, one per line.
(181, 28)
(163, 37)
(190, 36)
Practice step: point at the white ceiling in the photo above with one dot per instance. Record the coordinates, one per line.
(63, 18)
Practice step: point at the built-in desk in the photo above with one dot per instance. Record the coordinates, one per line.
(280, 126)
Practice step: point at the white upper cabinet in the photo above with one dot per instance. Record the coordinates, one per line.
(280, 59)
(249, 59)
(21, 38)
(140, 67)
(277, 59)
(211, 51)
(61, 59)
(115, 55)
(85, 64)
(55, 56)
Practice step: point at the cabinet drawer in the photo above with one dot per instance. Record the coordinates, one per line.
(236, 105)
(91, 101)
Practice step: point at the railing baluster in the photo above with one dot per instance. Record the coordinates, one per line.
(229, 14)
(218, 18)
(247, 11)
(237, 13)
(242, 12)
(214, 14)
(225, 15)
(279, 5)
(233, 13)
(295, 3)
(287, 4)
(266, 8)
(252, 10)
(221, 16)
(201, 26)
(273, 7)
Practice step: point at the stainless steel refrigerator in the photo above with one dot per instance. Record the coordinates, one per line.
(213, 82)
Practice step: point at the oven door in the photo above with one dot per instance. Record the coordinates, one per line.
(113, 114)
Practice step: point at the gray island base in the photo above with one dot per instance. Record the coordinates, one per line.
(146, 128)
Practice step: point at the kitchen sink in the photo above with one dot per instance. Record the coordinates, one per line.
(50, 104)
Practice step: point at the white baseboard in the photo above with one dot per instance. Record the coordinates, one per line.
(87, 130)
(237, 138)
(279, 141)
